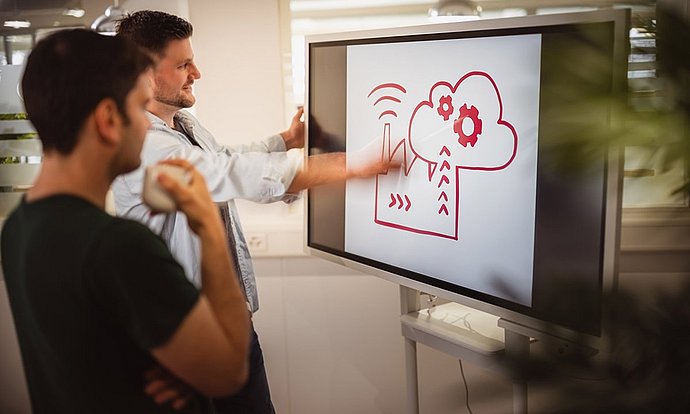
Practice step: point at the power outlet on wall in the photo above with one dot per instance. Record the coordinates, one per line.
(258, 242)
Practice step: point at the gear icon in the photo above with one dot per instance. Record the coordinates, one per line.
(473, 114)
(445, 107)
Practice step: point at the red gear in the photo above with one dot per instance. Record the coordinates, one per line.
(473, 114)
(445, 107)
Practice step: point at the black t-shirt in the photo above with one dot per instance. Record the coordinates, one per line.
(91, 294)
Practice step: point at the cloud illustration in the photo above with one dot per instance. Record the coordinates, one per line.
(462, 124)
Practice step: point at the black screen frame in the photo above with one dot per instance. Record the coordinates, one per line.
(610, 172)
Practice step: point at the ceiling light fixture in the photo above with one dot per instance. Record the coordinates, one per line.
(74, 12)
(106, 23)
(454, 10)
(17, 24)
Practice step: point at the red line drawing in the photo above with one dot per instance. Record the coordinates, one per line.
(445, 107)
(397, 199)
(459, 126)
(387, 98)
(387, 85)
(473, 115)
(445, 165)
(388, 112)
(392, 200)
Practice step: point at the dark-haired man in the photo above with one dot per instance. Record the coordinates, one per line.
(98, 301)
(262, 172)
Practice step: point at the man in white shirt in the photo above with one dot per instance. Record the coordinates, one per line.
(262, 172)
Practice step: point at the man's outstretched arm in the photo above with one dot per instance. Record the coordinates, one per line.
(331, 168)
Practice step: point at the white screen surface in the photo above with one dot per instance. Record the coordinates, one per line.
(462, 117)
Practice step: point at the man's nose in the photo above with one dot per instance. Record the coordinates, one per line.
(194, 72)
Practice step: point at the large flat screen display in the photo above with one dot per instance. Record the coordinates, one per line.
(478, 115)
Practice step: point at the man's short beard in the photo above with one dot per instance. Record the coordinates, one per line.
(177, 102)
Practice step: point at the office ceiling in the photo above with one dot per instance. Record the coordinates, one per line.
(43, 14)
(339, 8)
(9, 6)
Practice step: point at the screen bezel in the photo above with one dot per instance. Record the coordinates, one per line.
(613, 180)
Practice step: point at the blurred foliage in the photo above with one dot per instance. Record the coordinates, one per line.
(13, 116)
(647, 368)
(673, 38)
(646, 371)
(24, 135)
(582, 91)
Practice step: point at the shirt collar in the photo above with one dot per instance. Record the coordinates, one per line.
(185, 120)
(180, 116)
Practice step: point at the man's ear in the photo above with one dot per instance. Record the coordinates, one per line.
(151, 78)
(108, 121)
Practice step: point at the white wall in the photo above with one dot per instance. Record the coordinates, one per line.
(332, 343)
(237, 48)
(240, 96)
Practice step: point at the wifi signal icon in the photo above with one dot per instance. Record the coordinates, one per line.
(388, 92)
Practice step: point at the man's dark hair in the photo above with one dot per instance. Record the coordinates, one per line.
(152, 30)
(68, 73)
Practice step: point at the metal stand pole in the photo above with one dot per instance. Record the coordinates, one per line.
(517, 347)
(412, 386)
(409, 302)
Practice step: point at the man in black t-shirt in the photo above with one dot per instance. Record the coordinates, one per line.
(104, 314)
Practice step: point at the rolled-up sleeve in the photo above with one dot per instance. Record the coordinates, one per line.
(262, 177)
(260, 172)
(274, 143)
